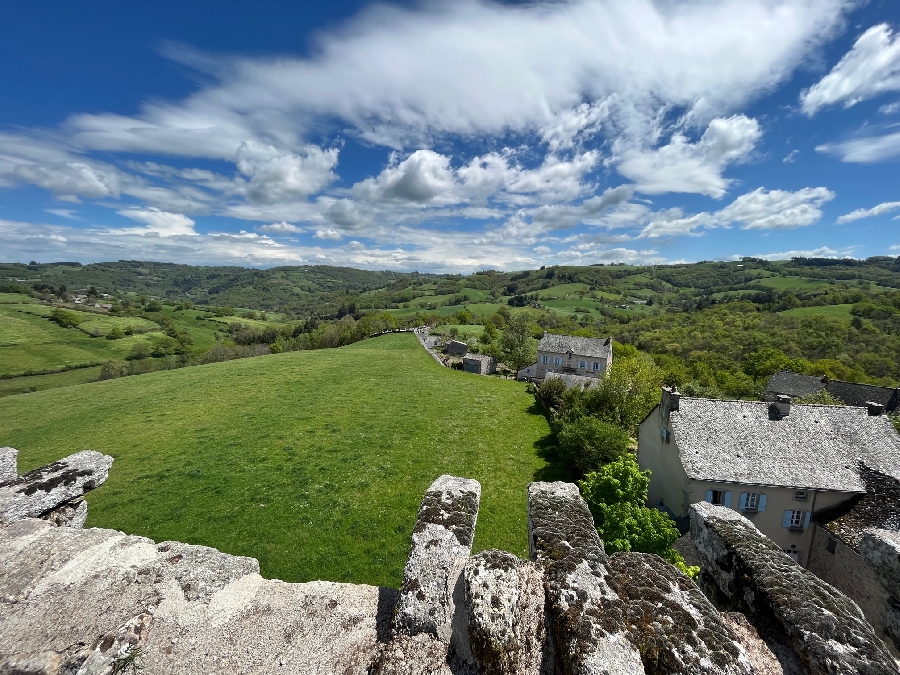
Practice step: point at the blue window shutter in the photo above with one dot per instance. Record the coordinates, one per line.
(728, 500)
(709, 496)
(786, 519)
(742, 501)
(806, 522)
(762, 503)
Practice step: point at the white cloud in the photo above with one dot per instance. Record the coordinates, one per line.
(161, 223)
(558, 217)
(881, 209)
(758, 210)
(64, 213)
(333, 235)
(71, 178)
(278, 176)
(348, 215)
(870, 68)
(865, 149)
(821, 252)
(890, 108)
(283, 227)
(422, 177)
(681, 166)
(791, 157)
(776, 209)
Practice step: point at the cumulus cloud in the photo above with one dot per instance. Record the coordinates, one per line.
(821, 252)
(681, 166)
(558, 217)
(879, 210)
(161, 223)
(757, 210)
(776, 209)
(277, 176)
(283, 227)
(71, 178)
(348, 215)
(420, 178)
(870, 68)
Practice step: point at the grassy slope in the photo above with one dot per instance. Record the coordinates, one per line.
(313, 462)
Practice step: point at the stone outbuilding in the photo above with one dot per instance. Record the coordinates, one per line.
(455, 348)
(479, 364)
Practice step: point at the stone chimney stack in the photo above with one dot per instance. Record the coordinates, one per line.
(544, 334)
(783, 405)
(875, 409)
(671, 399)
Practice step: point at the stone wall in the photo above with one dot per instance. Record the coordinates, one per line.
(95, 601)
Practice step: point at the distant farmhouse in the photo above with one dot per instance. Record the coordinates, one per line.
(479, 364)
(456, 348)
(812, 478)
(787, 383)
(567, 354)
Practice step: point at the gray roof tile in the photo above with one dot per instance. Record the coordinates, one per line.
(793, 384)
(817, 447)
(582, 346)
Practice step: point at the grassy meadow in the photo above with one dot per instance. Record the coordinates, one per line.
(313, 462)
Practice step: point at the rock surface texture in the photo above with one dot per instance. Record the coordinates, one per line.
(100, 602)
(43, 490)
(825, 628)
(586, 616)
(505, 611)
(881, 550)
(8, 464)
(675, 627)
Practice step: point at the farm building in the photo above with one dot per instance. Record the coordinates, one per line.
(456, 348)
(479, 364)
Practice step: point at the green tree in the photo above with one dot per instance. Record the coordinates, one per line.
(616, 494)
(627, 393)
(820, 397)
(140, 350)
(489, 334)
(115, 333)
(767, 361)
(519, 348)
(588, 443)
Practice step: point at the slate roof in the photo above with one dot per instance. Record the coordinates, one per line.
(878, 508)
(484, 358)
(853, 393)
(816, 447)
(793, 384)
(581, 346)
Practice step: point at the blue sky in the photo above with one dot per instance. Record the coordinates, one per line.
(449, 136)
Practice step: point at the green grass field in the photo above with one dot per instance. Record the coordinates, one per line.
(784, 283)
(313, 462)
(830, 311)
(30, 383)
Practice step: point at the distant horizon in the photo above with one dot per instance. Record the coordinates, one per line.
(448, 138)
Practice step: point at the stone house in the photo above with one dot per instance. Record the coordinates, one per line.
(456, 348)
(787, 383)
(587, 357)
(778, 464)
(479, 364)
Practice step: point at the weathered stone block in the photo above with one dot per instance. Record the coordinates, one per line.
(441, 543)
(505, 610)
(675, 627)
(587, 618)
(8, 466)
(71, 514)
(44, 489)
(826, 629)
(881, 550)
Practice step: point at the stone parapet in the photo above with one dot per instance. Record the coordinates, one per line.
(741, 567)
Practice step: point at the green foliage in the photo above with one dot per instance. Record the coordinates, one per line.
(895, 420)
(115, 333)
(489, 334)
(767, 361)
(587, 443)
(113, 369)
(550, 393)
(821, 397)
(616, 495)
(627, 393)
(140, 350)
(65, 318)
(519, 347)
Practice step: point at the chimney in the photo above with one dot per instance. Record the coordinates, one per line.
(544, 334)
(671, 399)
(782, 405)
(875, 409)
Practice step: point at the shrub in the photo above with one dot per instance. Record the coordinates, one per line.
(115, 334)
(588, 443)
(820, 397)
(65, 318)
(113, 369)
(550, 393)
(140, 350)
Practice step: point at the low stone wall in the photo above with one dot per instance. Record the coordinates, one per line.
(80, 602)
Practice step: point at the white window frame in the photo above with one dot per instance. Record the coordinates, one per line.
(557, 360)
(752, 501)
(582, 365)
(545, 359)
(796, 521)
(596, 365)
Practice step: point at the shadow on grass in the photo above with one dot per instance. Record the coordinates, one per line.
(547, 449)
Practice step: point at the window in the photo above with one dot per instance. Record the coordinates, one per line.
(794, 553)
(596, 365)
(582, 364)
(793, 519)
(800, 494)
(752, 501)
(831, 546)
(545, 359)
(557, 360)
(720, 497)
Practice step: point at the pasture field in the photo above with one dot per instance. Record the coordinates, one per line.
(313, 462)
(30, 383)
(830, 311)
(784, 283)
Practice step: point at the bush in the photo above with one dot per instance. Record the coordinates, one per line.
(140, 350)
(113, 369)
(588, 443)
(115, 334)
(65, 318)
(820, 397)
(550, 393)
